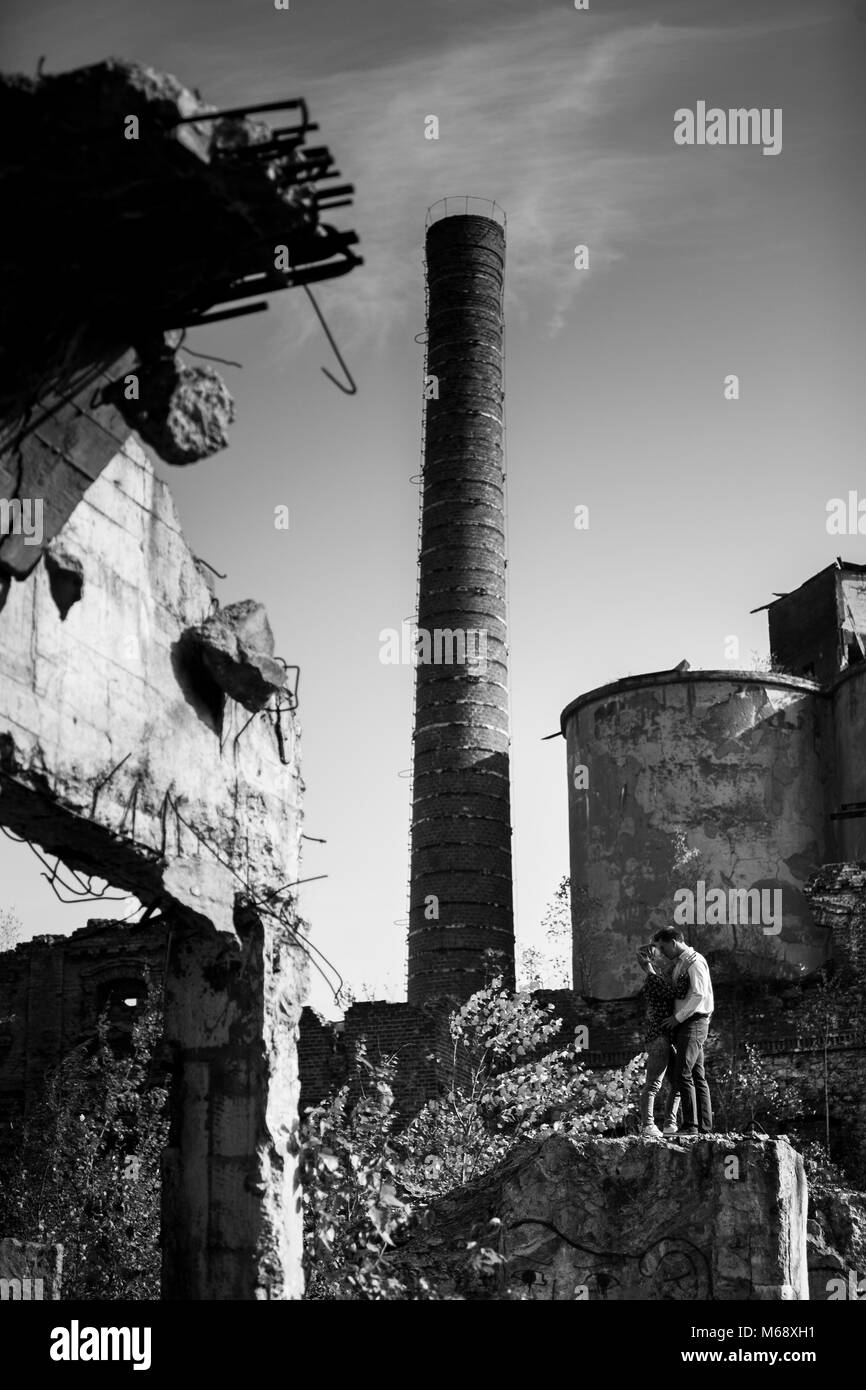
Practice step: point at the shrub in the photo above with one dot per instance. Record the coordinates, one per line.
(84, 1168)
(748, 1093)
(367, 1180)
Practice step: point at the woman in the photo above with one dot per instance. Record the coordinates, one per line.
(659, 994)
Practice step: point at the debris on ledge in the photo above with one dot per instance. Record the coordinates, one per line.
(237, 647)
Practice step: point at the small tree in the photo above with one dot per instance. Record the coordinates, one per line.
(556, 924)
(456, 1139)
(350, 1169)
(748, 1092)
(549, 966)
(835, 998)
(501, 1094)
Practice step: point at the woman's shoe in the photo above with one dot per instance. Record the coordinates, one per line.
(670, 1130)
(650, 1132)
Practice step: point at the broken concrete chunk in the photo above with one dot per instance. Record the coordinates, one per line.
(237, 646)
(183, 412)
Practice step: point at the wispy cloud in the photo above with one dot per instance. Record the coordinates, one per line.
(570, 130)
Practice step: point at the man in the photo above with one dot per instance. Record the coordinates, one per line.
(660, 999)
(690, 1022)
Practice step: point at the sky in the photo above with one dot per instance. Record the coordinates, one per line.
(703, 262)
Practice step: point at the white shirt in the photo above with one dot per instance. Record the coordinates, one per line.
(699, 999)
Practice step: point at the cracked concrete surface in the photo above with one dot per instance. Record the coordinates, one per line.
(130, 763)
(742, 766)
(626, 1219)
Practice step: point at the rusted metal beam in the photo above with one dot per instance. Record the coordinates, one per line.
(293, 104)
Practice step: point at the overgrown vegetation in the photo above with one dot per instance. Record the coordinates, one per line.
(367, 1180)
(574, 936)
(84, 1167)
(750, 1099)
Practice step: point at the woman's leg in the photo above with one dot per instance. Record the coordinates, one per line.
(672, 1108)
(656, 1066)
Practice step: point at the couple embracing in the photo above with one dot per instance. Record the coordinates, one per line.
(679, 1000)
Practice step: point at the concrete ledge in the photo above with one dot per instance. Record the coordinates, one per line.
(715, 1219)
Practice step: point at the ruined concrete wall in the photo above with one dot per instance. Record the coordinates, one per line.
(848, 706)
(852, 610)
(105, 717)
(52, 989)
(740, 764)
(121, 753)
(231, 1211)
(461, 888)
(620, 1219)
(805, 628)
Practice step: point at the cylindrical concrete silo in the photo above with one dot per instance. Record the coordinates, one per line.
(735, 769)
(461, 925)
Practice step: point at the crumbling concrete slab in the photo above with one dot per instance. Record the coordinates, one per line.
(102, 718)
(183, 412)
(837, 1246)
(237, 647)
(30, 1271)
(626, 1219)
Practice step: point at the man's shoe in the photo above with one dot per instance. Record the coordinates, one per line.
(650, 1132)
(690, 1134)
(670, 1130)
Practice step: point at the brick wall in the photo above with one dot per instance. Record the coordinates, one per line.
(321, 1057)
(52, 989)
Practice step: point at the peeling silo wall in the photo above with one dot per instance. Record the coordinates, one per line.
(741, 766)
